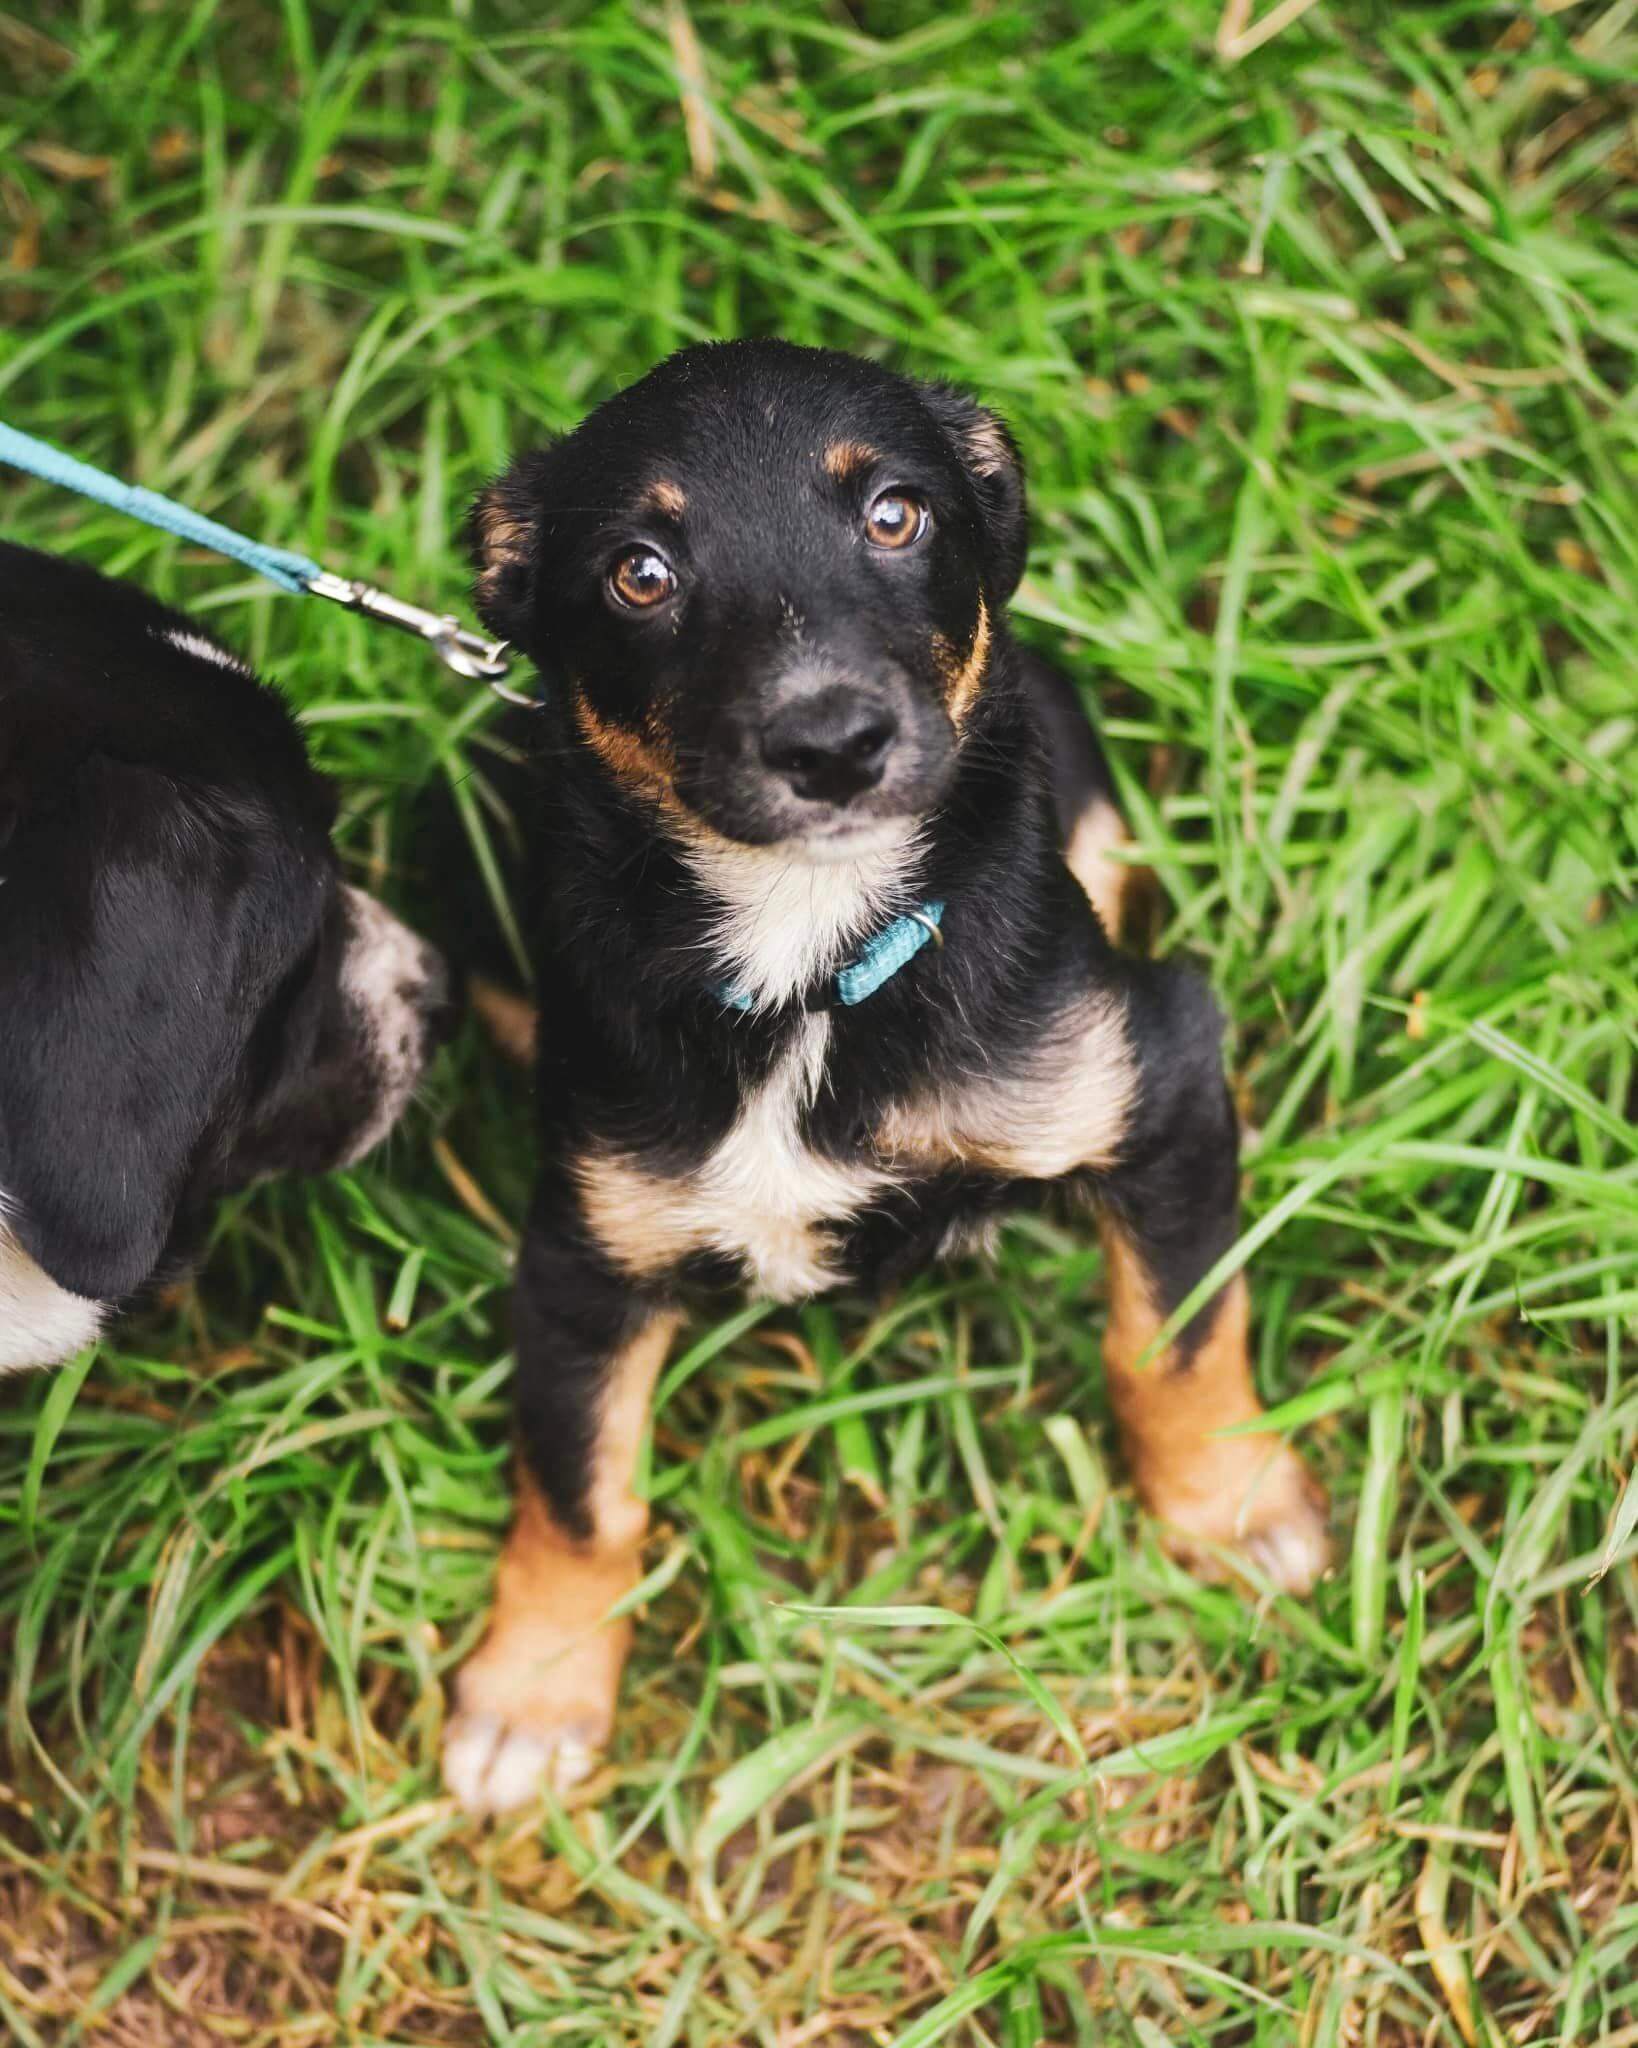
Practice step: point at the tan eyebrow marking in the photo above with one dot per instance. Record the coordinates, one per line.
(663, 495)
(634, 759)
(987, 447)
(963, 677)
(847, 458)
(503, 539)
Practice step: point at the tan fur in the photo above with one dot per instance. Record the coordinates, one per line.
(639, 1219)
(1099, 830)
(663, 495)
(503, 540)
(510, 1019)
(1248, 1492)
(639, 762)
(987, 449)
(619, 1517)
(1067, 1108)
(761, 1197)
(846, 458)
(963, 675)
(538, 1697)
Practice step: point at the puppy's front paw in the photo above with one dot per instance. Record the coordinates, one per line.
(1254, 1495)
(1291, 1543)
(533, 1708)
(495, 1765)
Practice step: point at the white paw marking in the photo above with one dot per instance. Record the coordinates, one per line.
(1293, 1552)
(493, 1767)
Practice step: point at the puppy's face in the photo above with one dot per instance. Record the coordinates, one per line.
(768, 578)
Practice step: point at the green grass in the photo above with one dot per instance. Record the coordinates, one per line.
(1324, 366)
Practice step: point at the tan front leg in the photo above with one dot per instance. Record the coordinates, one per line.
(535, 1703)
(1252, 1492)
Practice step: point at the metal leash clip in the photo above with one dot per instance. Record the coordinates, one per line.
(469, 654)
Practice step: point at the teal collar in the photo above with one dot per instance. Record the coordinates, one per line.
(893, 947)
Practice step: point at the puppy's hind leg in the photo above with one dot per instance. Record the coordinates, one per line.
(1169, 1213)
(1091, 829)
(535, 1702)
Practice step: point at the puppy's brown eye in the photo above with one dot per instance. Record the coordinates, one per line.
(642, 579)
(895, 519)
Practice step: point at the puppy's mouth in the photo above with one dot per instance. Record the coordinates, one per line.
(828, 839)
(845, 839)
(816, 835)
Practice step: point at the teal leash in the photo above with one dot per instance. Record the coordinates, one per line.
(469, 654)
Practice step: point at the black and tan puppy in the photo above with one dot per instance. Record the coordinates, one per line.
(190, 997)
(786, 741)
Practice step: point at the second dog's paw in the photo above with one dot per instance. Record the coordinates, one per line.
(1254, 1495)
(533, 1711)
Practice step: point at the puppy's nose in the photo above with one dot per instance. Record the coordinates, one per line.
(832, 744)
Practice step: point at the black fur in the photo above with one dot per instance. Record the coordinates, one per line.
(173, 1020)
(636, 1049)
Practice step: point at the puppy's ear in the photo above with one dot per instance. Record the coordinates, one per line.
(990, 456)
(139, 943)
(503, 533)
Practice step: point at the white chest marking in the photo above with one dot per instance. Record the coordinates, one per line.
(40, 1323)
(787, 916)
(764, 1197)
(207, 650)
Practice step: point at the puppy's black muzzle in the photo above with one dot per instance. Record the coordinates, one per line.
(826, 745)
(831, 745)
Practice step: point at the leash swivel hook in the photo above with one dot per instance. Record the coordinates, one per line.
(469, 654)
